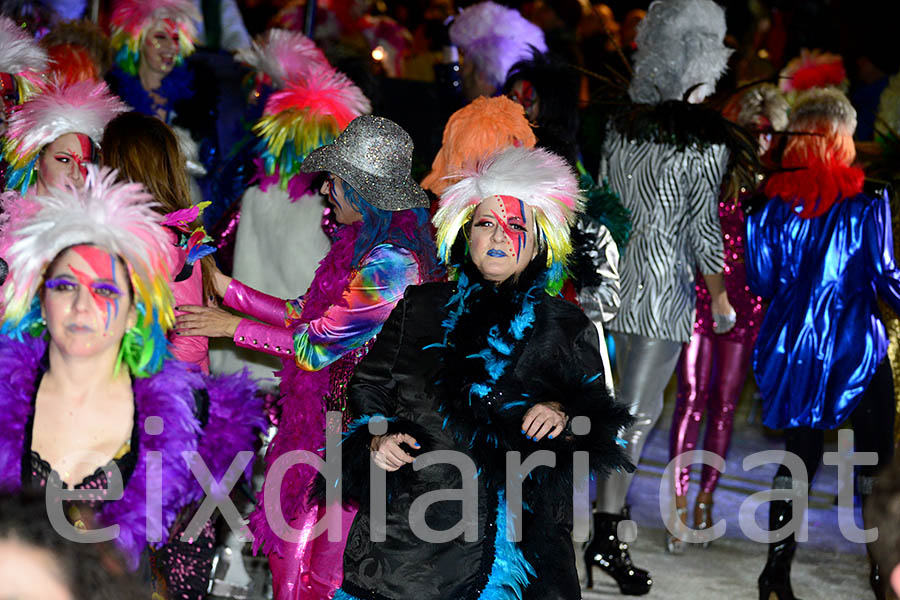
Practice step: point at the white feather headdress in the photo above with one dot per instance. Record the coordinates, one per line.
(83, 107)
(19, 52)
(537, 177)
(679, 46)
(118, 217)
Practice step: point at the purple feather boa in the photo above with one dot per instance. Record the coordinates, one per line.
(235, 417)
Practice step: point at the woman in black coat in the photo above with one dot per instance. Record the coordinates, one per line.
(489, 368)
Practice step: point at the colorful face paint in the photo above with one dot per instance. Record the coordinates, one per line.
(9, 91)
(101, 284)
(87, 153)
(513, 222)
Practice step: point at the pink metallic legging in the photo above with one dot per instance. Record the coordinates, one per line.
(711, 373)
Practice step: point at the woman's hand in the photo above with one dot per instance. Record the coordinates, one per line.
(387, 453)
(724, 317)
(220, 281)
(544, 418)
(207, 321)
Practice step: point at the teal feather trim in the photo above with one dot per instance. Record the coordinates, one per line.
(604, 206)
(511, 571)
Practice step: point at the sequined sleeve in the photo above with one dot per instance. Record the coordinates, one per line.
(370, 297)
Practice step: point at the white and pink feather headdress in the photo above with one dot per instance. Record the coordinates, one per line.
(84, 107)
(537, 177)
(117, 217)
(495, 37)
(283, 56)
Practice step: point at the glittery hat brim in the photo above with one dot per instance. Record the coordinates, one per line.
(382, 192)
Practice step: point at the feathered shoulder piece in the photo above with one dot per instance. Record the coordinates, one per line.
(117, 217)
(131, 19)
(540, 179)
(282, 56)
(21, 56)
(305, 115)
(83, 107)
(684, 125)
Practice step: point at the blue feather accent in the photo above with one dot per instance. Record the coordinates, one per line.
(479, 389)
(592, 379)
(511, 405)
(198, 252)
(342, 595)
(498, 344)
(510, 571)
(621, 442)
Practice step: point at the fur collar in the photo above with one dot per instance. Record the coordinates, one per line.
(815, 188)
(169, 395)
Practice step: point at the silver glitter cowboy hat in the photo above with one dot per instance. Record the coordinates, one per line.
(374, 155)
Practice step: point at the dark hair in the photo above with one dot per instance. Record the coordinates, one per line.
(556, 85)
(145, 150)
(89, 571)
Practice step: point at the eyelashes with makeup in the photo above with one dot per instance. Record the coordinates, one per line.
(488, 223)
(104, 290)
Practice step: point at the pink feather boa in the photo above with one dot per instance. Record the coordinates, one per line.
(302, 424)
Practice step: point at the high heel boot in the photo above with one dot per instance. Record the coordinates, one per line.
(775, 580)
(607, 552)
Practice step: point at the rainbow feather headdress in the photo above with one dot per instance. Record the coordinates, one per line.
(282, 56)
(307, 114)
(537, 177)
(117, 217)
(131, 19)
(21, 56)
(60, 108)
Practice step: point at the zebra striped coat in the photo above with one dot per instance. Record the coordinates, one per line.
(673, 196)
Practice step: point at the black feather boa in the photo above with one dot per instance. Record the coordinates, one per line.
(488, 426)
(682, 124)
(478, 317)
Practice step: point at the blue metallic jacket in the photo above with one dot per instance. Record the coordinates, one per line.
(822, 338)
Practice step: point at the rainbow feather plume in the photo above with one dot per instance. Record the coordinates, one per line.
(304, 116)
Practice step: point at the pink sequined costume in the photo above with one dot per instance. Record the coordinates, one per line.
(713, 367)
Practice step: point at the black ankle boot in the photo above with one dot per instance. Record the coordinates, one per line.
(775, 580)
(607, 552)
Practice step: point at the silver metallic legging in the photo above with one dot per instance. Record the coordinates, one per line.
(645, 366)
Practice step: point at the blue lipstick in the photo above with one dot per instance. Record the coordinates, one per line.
(496, 253)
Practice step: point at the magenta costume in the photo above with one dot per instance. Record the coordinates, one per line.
(320, 337)
(713, 367)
